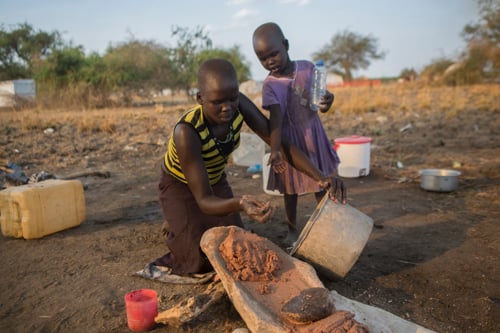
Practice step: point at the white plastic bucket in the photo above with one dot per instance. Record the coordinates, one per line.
(333, 238)
(250, 150)
(354, 154)
(265, 175)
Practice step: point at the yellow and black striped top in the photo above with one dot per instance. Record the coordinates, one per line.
(215, 153)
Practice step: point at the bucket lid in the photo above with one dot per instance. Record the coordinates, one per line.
(353, 140)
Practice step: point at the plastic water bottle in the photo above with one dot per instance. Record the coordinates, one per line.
(318, 85)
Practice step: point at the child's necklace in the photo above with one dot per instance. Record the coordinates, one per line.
(218, 131)
(226, 145)
(228, 138)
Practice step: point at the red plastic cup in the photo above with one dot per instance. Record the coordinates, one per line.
(142, 308)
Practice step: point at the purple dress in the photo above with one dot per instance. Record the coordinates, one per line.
(301, 127)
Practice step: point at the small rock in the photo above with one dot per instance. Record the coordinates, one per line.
(309, 306)
(129, 148)
(405, 128)
(161, 142)
(403, 180)
(241, 330)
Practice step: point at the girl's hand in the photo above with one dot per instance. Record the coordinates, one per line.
(336, 189)
(326, 101)
(259, 211)
(276, 162)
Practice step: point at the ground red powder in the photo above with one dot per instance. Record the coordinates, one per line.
(248, 258)
(272, 279)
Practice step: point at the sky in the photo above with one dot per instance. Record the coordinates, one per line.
(412, 33)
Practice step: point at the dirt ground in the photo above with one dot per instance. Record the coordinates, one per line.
(432, 258)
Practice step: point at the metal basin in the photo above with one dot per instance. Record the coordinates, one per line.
(439, 180)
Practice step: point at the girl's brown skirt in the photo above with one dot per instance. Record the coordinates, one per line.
(185, 224)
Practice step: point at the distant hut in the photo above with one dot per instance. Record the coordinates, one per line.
(17, 92)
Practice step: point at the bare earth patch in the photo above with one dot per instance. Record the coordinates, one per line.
(432, 258)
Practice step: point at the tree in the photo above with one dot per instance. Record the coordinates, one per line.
(471, 70)
(137, 67)
(433, 72)
(408, 74)
(480, 62)
(21, 48)
(482, 57)
(233, 55)
(488, 28)
(184, 56)
(68, 77)
(65, 74)
(62, 67)
(347, 52)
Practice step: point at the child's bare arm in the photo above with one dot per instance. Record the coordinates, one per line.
(259, 124)
(189, 151)
(275, 122)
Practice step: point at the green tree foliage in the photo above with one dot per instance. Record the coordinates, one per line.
(62, 67)
(65, 74)
(95, 72)
(482, 57)
(408, 74)
(184, 56)
(480, 62)
(433, 72)
(137, 68)
(349, 51)
(21, 48)
(473, 69)
(94, 81)
(233, 55)
(487, 30)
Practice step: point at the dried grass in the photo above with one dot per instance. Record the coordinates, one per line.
(393, 100)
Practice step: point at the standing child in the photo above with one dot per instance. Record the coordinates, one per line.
(286, 95)
(194, 192)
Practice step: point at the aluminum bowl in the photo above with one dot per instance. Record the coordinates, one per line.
(439, 180)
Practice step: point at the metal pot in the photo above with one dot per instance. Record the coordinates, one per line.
(439, 180)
